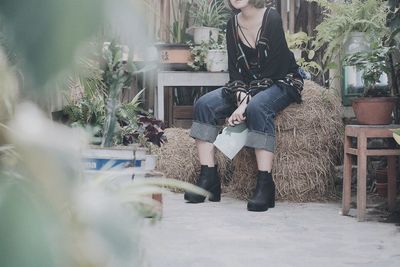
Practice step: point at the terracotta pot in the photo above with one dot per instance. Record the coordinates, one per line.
(174, 56)
(374, 110)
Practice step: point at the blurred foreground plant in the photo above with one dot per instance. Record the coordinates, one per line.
(53, 215)
(96, 103)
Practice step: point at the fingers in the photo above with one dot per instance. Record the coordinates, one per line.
(241, 117)
(235, 119)
(230, 121)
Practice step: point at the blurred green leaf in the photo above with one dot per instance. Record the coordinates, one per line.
(46, 33)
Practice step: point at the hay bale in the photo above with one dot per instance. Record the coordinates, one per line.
(178, 157)
(309, 142)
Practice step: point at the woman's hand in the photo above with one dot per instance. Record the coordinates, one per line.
(237, 116)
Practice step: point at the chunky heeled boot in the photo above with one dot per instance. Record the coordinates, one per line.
(264, 194)
(209, 181)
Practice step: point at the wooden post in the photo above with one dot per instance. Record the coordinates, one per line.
(284, 15)
(392, 190)
(292, 15)
(347, 166)
(361, 175)
(165, 19)
(311, 19)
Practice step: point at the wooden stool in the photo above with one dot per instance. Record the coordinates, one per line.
(362, 132)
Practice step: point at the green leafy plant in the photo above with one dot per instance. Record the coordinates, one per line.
(99, 109)
(393, 22)
(117, 75)
(199, 55)
(341, 19)
(209, 13)
(373, 64)
(302, 42)
(45, 196)
(180, 23)
(199, 52)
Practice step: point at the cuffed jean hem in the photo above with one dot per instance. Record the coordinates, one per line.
(204, 132)
(261, 141)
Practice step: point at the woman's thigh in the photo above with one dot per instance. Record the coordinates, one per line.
(212, 106)
(272, 99)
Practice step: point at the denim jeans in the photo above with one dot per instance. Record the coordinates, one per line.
(260, 115)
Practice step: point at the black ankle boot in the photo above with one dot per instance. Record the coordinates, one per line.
(209, 181)
(264, 194)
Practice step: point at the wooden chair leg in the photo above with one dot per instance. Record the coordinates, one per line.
(347, 165)
(392, 190)
(361, 176)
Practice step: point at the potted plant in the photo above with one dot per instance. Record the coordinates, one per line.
(209, 16)
(176, 54)
(217, 56)
(377, 104)
(114, 125)
(359, 20)
(211, 56)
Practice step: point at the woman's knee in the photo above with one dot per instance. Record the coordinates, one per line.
(201, 105)
(256, 108)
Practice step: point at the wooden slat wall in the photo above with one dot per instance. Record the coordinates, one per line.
(299, 15)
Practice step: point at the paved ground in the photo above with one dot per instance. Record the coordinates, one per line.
(226, 234)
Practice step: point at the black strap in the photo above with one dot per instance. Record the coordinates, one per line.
(247, 41)
(261, 44)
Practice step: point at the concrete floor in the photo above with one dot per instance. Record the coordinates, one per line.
(226, 234)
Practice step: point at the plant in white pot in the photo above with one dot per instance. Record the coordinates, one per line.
(211, 56)
(217, 56)
(209, 16)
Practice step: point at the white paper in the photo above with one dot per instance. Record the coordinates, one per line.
(231, 140)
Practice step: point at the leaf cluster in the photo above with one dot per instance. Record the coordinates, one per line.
(180, 23)
(341, 19)
(101, 79)
(372, 64)
(303, 42)
(209, 13)
(199, 52)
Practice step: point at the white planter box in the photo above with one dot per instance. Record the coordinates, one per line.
(95, 158)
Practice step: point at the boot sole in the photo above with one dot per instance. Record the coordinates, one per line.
(256, 207)
(194, 198)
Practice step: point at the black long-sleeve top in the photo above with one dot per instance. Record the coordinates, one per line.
(274, 59)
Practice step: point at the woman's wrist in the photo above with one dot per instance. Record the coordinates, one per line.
(242, 98)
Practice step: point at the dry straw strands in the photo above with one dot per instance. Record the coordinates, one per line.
(178, 157)
(309, 144)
